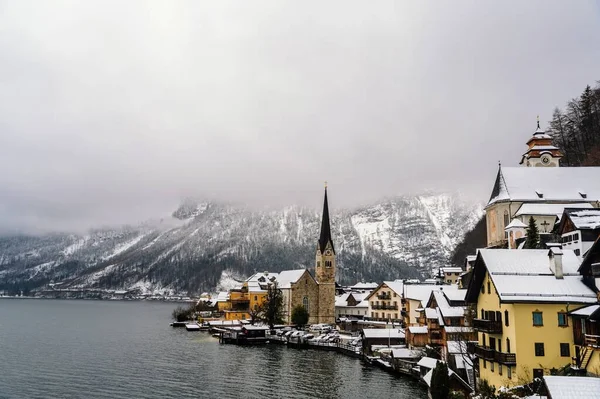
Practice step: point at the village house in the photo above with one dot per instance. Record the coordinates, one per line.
(578, 229)
(449, 275)
(415, 298)
(540, 190)
(351, 305)
(523, 299)
(384, 302)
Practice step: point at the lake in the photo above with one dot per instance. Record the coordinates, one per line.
(109, 349)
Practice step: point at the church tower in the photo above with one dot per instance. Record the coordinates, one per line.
(541, 152)
(325, 269)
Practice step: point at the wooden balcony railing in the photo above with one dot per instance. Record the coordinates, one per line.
(509, 359)
(383, 295)
(488, 326)
(592, 340)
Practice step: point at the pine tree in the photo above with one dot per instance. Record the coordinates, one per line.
(533, 235)
(440, 383)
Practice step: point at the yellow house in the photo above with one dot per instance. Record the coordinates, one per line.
(523, 298)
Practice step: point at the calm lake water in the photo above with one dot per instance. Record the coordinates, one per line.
(111, 349)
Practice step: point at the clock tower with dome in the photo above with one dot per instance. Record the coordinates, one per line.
(541, 151)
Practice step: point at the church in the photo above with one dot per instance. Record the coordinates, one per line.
(299, 287)
(539, 188)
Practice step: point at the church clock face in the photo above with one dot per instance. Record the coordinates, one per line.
(328, 253)
(545, 159)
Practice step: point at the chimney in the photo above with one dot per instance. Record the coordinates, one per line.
(555, 254)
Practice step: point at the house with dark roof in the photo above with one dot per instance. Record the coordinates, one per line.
(579, 228)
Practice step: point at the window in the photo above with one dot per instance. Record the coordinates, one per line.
(565, 350)
(499, 369)
(539, 349)
(489, 287)
(577, 252)
(482, 289)
(563, 321)
(482, 313)
(372, 314)
(484, 364)
(305, 303)
(449, 281)
(575, 236)
(256, 297)
(396, 316)
(509, 371)
(505, 218)
(506, 318)
(538, 319)
(492, 367)
(507, 345)
(318, 263)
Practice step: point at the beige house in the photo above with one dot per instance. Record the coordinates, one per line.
(384, 302)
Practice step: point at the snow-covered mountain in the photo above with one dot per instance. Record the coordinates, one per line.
(398, 237)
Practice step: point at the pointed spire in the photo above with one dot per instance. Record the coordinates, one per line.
(539, 130)
(538, 121)
(325, 226)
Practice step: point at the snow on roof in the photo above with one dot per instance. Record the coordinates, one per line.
(405, 353)
(365, 286)
(223, 296)
(452, 311)
(431, 313)
(525, 275)
(342, 300)
(471, 258)
(422, 292)
(543, 148)
(258, 281)
(453, 269)
(586, 310)
(515, 224)
(457, 346)
(555, 184)
(572, 387)
(396, 286)
(463, 362)
(383, 333)
(456, 295)
(288, 277)
(585, 219)
(458, 329)
(418, 329)
(428, 362)
(548, 209)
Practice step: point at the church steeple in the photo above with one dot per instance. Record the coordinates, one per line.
(325, 227)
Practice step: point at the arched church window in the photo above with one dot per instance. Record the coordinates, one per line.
(506, 221)
(305, 303)
(318, 263)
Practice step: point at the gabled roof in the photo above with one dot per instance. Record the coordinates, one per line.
(515, 224)
(583, 219)
(562, 387)
(422, 292)
(591, 257)
(559, 184)
(259, 282)
(592, 311)
(396, 286)
(525, 276)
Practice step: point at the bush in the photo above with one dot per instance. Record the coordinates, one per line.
(299, 316)
(181, 313)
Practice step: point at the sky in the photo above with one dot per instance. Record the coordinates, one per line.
(113, 112)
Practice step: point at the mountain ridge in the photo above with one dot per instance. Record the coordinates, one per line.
(403, 236)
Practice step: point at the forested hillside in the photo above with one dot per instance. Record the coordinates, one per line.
(576, 129)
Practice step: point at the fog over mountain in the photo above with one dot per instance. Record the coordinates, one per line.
(112, 112)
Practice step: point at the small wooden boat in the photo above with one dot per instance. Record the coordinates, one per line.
(192, 327)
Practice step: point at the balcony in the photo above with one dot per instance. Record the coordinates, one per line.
(488, 326)
(383, 295)
(383, 306)
(592, 340)
(509, 359)
(489, 354)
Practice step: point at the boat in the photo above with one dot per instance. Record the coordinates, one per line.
(192, 327)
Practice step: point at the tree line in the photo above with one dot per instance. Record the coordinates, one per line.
(576, 129)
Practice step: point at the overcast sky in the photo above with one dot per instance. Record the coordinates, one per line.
(113, 111)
